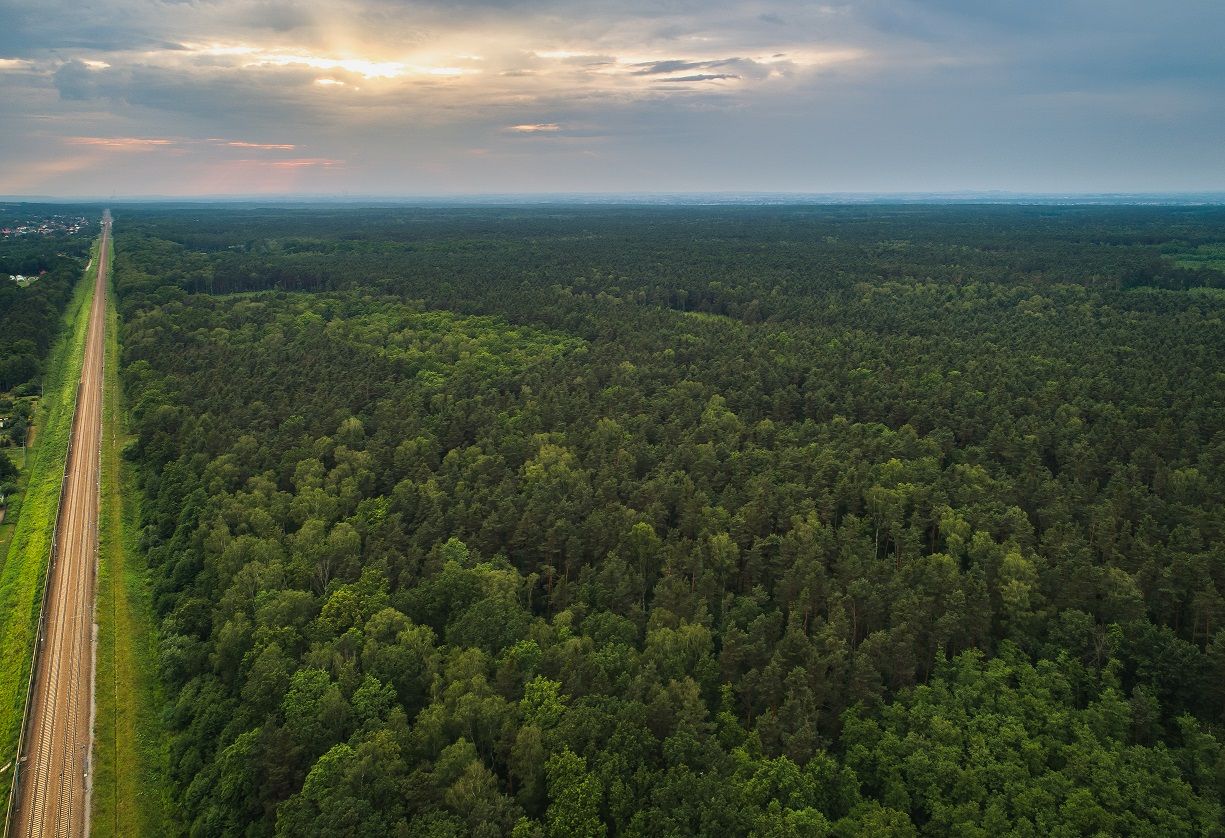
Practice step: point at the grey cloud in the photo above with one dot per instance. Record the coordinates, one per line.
(228, 100)
(675, 66)
(277, 17)
(587, 60)
(948, 94)
(32, 29)
(77, 82)
(939, 19)
(699, 77)
(744, 67)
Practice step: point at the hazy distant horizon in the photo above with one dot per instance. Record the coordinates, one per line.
(712, 198)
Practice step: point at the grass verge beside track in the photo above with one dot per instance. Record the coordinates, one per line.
(25, 564)
(130, 791)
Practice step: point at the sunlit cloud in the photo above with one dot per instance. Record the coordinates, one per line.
(301, 163)
(358, 66)
(367, 68)
(699, 77)
(259, 146)
(147, 143)
(561, 54)
(674, 66)
(123, 143)
(260, 57)
(219, 49)
(437, 94)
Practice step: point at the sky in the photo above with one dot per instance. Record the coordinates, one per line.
(390, 98)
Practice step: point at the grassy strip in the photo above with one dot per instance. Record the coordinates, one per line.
(131, 794)
(19, 457)
(21, 578)
(6, 532)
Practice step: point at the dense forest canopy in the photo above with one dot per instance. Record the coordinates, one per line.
(49, 263)
(676, 521)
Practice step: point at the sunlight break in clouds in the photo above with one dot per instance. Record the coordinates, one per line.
(260, 146)
(255, 57)
(300, 163)
(801, 96)
(149, 143)
(122, 143)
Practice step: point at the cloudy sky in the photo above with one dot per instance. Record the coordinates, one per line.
(385, 97)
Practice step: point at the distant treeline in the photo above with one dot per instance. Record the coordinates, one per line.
(746, 263)
(30, 314)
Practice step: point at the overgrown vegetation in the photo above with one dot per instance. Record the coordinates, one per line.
(915, 529)
(21, 577)
(30, 314)
(130, 795)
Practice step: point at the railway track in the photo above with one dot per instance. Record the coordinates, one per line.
(52, 792)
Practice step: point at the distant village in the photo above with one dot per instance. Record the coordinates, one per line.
(51, 226)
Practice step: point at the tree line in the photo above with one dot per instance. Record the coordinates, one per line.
(30, 316)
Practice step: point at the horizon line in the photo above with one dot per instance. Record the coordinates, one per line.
(1208, 197)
